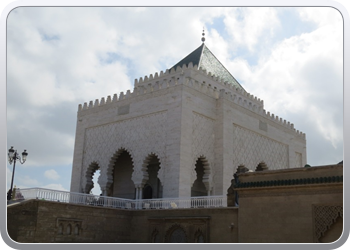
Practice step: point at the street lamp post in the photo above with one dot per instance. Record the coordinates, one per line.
(12, 157)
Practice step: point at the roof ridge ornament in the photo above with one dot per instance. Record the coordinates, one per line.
(203, 34)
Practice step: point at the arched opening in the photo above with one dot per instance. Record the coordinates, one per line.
(155, 236)
(198, 188)
(199, 237)
(147, 192)
(122, 186)
(176, 234)
(153, 187)
(60, 229)
(92, 185)
(76, 230)
(69, 229)
(96, 190)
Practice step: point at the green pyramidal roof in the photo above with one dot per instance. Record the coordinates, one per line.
(204, 58)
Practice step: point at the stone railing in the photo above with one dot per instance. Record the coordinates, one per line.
(190, 202)
(113, 202)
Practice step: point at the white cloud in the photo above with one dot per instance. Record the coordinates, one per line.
(96, 190)
(303, 75)
(55, 187)
(64, 69)
(26, 181)
(248, 25)
(54, 65)
(320, 15)
(61, 57)
(8, 177)
(46, 143)
(51, 174)
(218, 46)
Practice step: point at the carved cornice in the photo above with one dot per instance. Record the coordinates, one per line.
(290, 182)
(291, 190)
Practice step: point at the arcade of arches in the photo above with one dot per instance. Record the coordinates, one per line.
(122, 185)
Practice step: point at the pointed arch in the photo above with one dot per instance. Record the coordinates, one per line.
(119, 172)
(201, 177)
(60, 228)
(88, 183)
(69, 229)
(199, 236)
(76, 229)
(150, 176)
(147, 192)
(176, 234)
(155, 237)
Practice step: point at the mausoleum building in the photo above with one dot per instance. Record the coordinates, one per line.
(180, 133)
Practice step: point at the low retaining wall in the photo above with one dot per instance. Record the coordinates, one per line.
(38, 221)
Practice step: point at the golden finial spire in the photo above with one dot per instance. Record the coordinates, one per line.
(203, 38)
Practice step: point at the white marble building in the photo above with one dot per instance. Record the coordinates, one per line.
(179, 133)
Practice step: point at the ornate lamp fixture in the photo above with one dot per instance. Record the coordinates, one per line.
(12, 157)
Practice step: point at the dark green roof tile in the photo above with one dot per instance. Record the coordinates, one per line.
(205, 59)
(288, 182)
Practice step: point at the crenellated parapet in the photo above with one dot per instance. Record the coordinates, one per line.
(199, 80)
(246, 100)
(284, 123)
(109, 100)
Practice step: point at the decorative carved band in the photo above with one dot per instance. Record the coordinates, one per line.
(324, 217)
(179, 229)
(290, 182)
(140, 137)
(203, 146)
(287, 192)
(250, 148)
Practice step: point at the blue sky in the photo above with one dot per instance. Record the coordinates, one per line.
(60, 57)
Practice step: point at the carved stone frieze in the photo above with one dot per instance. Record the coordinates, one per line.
(253, 192)
(69, 226)
(251, 148)
(179, 229)
(298, 160)
(324, 217)
(140, 137)
(203, 139)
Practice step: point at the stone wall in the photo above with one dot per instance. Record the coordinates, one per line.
(215, 223)
(301, 205)
(38, 221)
(293, 205)
(181, 116)
(22, 221)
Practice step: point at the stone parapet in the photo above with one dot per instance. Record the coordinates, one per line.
(306, 175)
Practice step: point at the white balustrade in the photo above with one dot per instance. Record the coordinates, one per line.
(113, 202)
